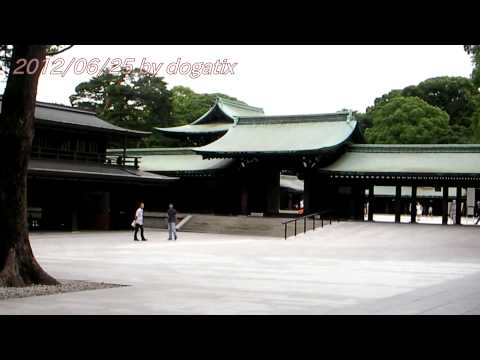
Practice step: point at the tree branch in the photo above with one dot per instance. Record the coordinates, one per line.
(61, 51)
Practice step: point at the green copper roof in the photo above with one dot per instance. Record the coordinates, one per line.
(81, 170)
(70, 117)
(409, 159)
(287, 135)
(233, 109)
(218, 119)
(176, 161)
(203, 129)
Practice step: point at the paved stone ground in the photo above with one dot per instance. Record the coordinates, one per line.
(470, 220)
(345, 268)
(39, 290)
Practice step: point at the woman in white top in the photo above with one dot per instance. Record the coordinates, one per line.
(419, 211)
(139, 223)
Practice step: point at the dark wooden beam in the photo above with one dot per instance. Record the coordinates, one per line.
(124, 150)
(398, 198)
(371, 200)
(445, 206)
(413, 209)
(244, 198)
(308, 192)
(458, 212)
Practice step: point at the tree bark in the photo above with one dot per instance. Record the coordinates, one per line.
(18, 266)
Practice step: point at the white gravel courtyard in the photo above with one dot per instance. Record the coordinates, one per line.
(346, 268)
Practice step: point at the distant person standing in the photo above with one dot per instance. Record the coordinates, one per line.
(430, 208)
(139, 222)
(301, 208)
(453, 211)
(172, 222)
(419, 211)
(477, 212)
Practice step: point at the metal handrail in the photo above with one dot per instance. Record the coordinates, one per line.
(305, 217)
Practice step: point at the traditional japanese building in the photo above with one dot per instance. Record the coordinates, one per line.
(73, 183)
(213, 124)
(364, 166)
(238, 155)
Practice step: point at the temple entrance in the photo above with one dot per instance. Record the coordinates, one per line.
(423, 205)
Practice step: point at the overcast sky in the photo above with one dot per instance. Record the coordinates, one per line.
(281, 79)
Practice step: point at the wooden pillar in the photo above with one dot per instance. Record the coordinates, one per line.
(413, 210)
(308, 192)
(398, 198)
(458, 212)
(103, 217)
(124, 150)
(371, 200)
(75, 201)
(243, 198)
(445, 206)
(273, 192)
(75, 218)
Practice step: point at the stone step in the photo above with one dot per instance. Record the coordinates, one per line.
(237, 225)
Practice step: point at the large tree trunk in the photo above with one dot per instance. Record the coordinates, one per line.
(18, 266)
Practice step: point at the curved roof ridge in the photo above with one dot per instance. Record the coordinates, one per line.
(292, 119)
(239, 104)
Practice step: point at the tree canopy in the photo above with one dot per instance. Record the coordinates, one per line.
(188, 105)
(141, 101)
(135, 100)
(474, 52)
(408, 120)
(457, 96)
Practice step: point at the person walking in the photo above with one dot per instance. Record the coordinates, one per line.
(172, 222)
(139, 222)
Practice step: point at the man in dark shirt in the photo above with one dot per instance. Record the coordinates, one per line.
(172, 222)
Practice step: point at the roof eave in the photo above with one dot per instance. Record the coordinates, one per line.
(199, 132)
(132, 133)
(386, 175)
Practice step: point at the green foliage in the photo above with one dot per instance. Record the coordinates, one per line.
(454, 95)
(6, 56)
(474, 52)
(476, 121)
(457, 96)
(141, 101)
(189, 106)
(135, 100)
(131, 99)
(408, 120)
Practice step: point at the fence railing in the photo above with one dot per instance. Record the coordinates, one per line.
(326, 215)
(124, 161)
(58, 154)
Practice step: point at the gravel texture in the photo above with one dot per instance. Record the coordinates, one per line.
(64, 287)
